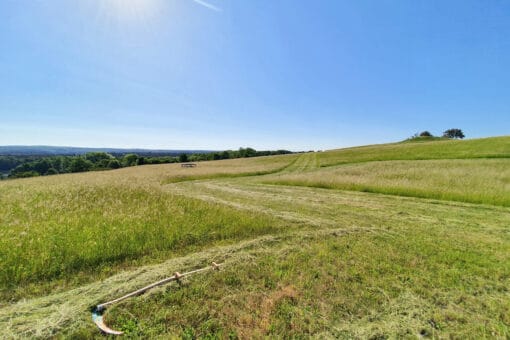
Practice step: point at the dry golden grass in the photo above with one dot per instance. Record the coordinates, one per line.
(156, 174)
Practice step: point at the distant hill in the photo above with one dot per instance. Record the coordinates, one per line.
(43, 150)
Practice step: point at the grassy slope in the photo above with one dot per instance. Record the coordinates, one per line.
(494, 147)
(332, 263)
(67, 227)
(476, 171)
(363, 264)
(467, 180)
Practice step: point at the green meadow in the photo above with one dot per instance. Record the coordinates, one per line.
(403, 240)
(495, 147)
(466, 180)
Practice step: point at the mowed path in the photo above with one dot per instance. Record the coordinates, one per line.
(44, 317)
(315, 207)
(307, 161)
(318, 207)
(311, 213)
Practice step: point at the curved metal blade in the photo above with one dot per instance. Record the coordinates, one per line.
(97, 317)
(97, 311)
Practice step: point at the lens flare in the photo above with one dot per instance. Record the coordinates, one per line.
(130, 10)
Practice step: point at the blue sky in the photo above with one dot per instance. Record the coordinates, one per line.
(220, 74)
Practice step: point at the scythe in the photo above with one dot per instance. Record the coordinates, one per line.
(98, 311)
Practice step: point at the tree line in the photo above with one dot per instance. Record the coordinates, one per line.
(93, 161)
(10, 162)
(447, 134)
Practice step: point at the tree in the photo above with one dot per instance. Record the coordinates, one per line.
(453, 133)
(183, 158)
(425, 134)
(96, 157)
(79, 164)
(130, 159)
(42, 166)
(141, 161)
(51, 171)
(25, 167)
(248, 152)
(113, 164)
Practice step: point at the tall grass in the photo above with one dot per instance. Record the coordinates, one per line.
(57, 226)
(331, 263)
(58, 233)
(475, 181)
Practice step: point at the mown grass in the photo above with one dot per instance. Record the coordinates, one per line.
(494, 147)
(484, 181)
(312, 262)
(443, 276)
(334, 288)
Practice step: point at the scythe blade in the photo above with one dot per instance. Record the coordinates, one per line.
(97, 317)
(97, 311)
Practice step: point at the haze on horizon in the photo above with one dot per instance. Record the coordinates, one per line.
(220, 74)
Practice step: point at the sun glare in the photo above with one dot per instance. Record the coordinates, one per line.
(131, 10)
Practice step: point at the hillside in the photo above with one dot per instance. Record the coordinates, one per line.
(381, 241)
(494, 147)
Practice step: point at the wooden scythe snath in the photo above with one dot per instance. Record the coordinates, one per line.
(97, 311)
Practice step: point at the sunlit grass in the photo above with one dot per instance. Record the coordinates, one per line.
(395, 267)
(302, 261)
(57, 226)
(476, 181)
(495, 147)
(425, 285)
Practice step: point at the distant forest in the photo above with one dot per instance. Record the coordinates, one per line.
(20, 166)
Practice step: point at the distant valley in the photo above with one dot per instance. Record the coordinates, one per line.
(44, 150)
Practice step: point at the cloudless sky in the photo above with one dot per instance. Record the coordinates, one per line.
(220, 74)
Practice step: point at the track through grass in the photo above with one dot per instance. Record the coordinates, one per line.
(434, 272)
(464, 180)
(302, 261)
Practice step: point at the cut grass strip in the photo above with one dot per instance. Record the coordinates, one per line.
(423, 281)
(401, 254)
(484, 181)
(46, 316)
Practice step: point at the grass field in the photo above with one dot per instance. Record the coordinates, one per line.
(313, 245)
(496, 147)
(61, 226)
(465, 180)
